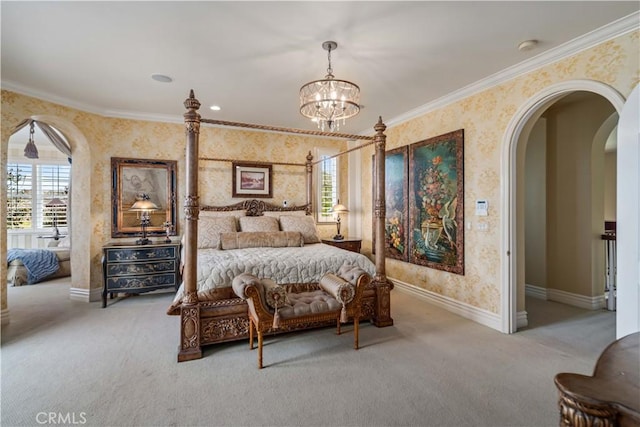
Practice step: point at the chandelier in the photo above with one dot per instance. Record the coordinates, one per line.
(329, 101)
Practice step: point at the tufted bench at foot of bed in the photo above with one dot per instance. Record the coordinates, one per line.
(271, 308)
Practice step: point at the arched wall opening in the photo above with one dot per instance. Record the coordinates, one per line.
(80, 208)
(512, 189)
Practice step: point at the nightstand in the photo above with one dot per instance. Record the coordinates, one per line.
(134, 269)
(352, 245)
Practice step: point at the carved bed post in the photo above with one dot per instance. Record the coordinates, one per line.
(383, 286)
(309, 168)
(190, 311)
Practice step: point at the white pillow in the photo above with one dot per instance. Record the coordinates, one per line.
(259, 223)
(219, 214)
(304, 224)
(65, 242)
(209, 229)
(278, 214)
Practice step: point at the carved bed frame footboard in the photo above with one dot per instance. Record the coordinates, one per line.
(226, 319)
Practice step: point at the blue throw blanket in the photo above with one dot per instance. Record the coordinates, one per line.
(39, 263)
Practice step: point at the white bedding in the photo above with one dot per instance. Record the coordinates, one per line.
(307, 264)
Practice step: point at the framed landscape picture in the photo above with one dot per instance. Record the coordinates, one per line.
(436, 202)
(251, 180)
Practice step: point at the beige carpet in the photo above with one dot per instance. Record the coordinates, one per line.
(117, 367)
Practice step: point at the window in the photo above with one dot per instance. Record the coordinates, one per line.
(328, 185)
(33, 193)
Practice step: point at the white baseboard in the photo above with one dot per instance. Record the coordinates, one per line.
(582, 301)
(470, 312)
(85, 295)
(522, 319)
(4, 317)
(576, 300)
(535, 291)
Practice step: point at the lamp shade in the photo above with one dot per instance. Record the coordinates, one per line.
(144, 205)
(339, 208)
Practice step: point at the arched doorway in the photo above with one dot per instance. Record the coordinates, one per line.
(80, 206)
(512, 189)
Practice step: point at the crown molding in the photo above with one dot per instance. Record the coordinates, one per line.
(46, 96)
(586, 41)
(87, 108)
(572, 47)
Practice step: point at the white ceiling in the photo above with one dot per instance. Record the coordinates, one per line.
(252, 57)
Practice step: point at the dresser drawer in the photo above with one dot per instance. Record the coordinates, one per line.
(140, 254)
(142, 283)
(127, 269)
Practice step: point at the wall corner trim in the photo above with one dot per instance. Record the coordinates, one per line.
(85, 295)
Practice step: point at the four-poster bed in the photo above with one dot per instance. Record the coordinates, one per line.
(216, 315)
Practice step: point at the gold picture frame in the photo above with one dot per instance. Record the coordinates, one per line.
(133, 179)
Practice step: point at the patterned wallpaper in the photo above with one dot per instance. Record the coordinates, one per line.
(100, 138)
(483, 116)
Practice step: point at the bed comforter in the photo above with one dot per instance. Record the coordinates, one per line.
(306, 264)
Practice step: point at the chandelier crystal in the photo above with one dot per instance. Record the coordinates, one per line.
(329, 101)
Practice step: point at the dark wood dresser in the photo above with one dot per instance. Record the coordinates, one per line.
(352, 245)
(611, 396)
(134, 269)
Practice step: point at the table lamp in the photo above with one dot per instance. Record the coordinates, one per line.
(338, 209)
(144, 205)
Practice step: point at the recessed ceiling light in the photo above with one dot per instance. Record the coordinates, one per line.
(527, 45)
(161, 78)
(215, 107)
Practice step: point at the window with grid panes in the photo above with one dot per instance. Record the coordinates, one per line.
(327, 187)
(31, 187)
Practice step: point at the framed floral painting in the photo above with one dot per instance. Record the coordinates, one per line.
(396, 222)
(436, 202)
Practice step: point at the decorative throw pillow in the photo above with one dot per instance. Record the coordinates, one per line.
(278, 214)
(274, 294)
(218, 214)
(236, 213)
(209, 229)
(257, 239)
(339, 288)
(259, 223)
(304, 224)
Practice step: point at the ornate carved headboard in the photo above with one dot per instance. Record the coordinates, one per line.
(256, 207)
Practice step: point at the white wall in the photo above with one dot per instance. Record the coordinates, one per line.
(628, 214)
(535, 205)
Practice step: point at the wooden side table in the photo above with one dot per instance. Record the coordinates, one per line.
(609, 397)
(134, 269)
(352, 245)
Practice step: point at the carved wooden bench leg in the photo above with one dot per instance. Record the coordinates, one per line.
(259, 349)
(251, 326)
(356, 330)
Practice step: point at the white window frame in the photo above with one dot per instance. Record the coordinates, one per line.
(327, 217)
(39, 198)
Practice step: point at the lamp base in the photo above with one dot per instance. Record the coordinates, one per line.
(143, 241)
(338, 237)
